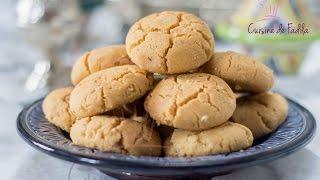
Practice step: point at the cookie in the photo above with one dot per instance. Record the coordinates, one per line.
(261, 113)
(97, 60)
(243, 73)
(191, 101)
(56, 108)
(109, 89)
(112, 134)
(228, 137)
(170, 42)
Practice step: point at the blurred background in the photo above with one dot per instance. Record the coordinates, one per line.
(41, 39)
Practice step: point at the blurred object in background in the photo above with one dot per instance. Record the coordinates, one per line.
(230, 20)
(62, 30)
(284, 51)
(47, 25)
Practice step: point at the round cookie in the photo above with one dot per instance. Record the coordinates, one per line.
(261, 113)
(191, 101)
(97, 60)
(226, 138)
(109, 89)
(243, 73)
(170, 42)
(56, 108)
(118, 135)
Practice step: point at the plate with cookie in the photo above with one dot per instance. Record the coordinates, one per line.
(167, 105)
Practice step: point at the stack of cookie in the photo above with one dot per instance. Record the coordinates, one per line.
(169, 65)
(259, 110)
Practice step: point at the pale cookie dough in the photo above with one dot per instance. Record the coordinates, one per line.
(261, 113)
(191, 101)
(243, 73)
(118, 135)
(56, 108)
(170, 42)
(109, 89)
(97, 60)
(225, 138)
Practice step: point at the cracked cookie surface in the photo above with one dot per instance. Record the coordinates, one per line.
(191, 101)
(112, 134)
(261, 113)
(97, 60)
(242, 73)
(225, 138)
(109, 89)
(56, 108)
(170, 42)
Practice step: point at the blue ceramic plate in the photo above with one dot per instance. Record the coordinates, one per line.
(294, 133)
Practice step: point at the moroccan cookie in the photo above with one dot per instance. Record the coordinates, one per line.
(170, 42)
(114, 134)
(97, 60)
(191, 101)
(56, 108)
(225, 138)
(261, 113)
(243, 73)
(109, 89)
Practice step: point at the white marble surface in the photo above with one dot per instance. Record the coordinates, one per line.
(18, 161)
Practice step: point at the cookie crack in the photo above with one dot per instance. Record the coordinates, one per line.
(139, 42)
(264, 121)
(120, 143)
(225, 92)
(166, 53)
(229, 61)
(198, 119)
(211, 103)
(221, 143)
(139, 136)
(168, 31)
(266, 105)
(122, 75)
(65, 99)
(199, 140)
(86, 63)
(204, 36)
(191, 97)
(175, 108)
(104, 98)
(171, 42)
(255, 70)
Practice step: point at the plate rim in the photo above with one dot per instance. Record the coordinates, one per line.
(254, 158)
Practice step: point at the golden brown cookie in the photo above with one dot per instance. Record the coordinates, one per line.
(170, 42)
(191, 101)
(97, 60)
(109, 89)
(56, 108)
(225, 138)
(243, 73)
(114, 134)
(261, 113)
